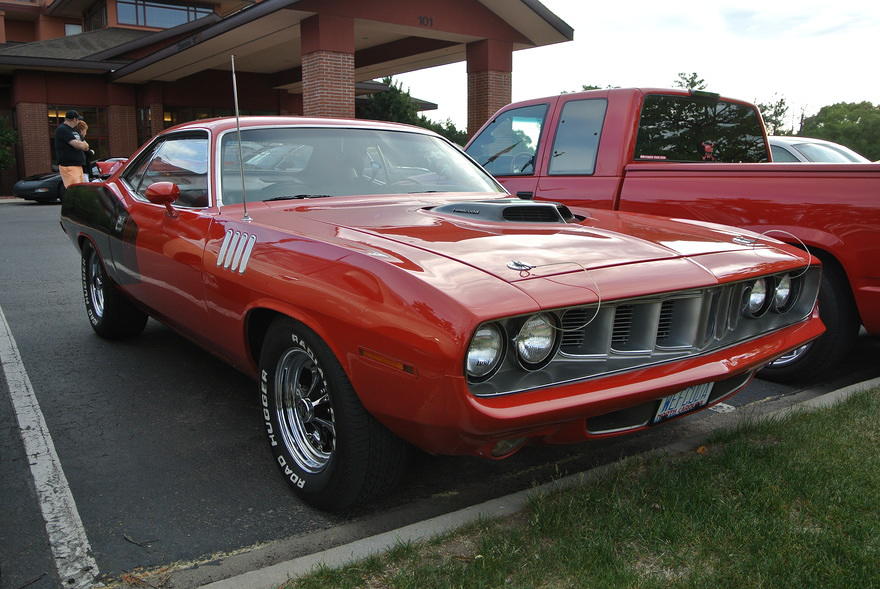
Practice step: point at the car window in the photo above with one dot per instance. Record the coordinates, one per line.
(816, 152)
(577, 137)
(340, 161)
(699, 128)
(780, 154)
(507, 146)
(179, 159)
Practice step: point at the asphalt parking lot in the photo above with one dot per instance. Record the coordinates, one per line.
(163, 449)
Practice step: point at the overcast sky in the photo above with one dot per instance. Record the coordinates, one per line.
(811, 53)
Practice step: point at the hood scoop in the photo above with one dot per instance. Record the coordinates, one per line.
(508, 211)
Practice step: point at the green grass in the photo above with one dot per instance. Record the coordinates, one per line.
(790, 503)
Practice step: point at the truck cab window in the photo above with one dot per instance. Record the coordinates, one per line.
(577, 137)
(507, 146)
(699, 129)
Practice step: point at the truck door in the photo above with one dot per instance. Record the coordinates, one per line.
(569, 172)
(509, 147)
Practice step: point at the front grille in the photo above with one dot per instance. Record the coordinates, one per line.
(627, 334)
(664, 325)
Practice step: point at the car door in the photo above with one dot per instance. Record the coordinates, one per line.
(161, 255)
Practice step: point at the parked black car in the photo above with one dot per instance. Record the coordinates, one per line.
(47, 187)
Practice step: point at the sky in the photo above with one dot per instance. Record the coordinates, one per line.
(810, 53)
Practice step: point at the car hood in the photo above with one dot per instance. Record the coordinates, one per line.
(516, 250)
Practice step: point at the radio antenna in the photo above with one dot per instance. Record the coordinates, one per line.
(245, 217)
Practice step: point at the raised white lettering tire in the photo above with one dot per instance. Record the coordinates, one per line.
(329, 449)
(111, 314)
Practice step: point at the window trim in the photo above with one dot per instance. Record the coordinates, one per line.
(150, 150)
(560, 108)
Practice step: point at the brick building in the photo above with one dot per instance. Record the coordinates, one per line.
(135, 67)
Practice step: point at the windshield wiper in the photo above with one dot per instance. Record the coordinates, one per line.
(296, 196)
(500, 153)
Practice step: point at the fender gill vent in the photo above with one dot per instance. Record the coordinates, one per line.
(235, 252)
(508, 210)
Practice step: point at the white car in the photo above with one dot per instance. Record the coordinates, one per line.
(806, 149)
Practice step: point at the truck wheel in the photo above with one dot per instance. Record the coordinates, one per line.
(111, 314)
(812, 362)
(329, 449)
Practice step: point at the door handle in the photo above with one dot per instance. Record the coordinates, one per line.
(526, 195)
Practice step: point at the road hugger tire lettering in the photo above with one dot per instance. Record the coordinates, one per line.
(330, 451)
(110, 313)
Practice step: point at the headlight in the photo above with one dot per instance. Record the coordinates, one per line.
(485, 352)
(784, 294)
(757, 298)
(536, 341)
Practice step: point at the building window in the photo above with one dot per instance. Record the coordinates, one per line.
(158, 14)
(96, 119)
(71, 29)
(95, 17)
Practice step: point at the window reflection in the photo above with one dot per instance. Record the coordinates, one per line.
(507, 146)
(694, 129)
(577, 137)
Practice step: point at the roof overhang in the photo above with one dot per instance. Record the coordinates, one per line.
(10, 63)
(265, 38)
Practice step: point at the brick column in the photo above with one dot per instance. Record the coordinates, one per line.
(33, 122)
(328, 66)
(2, 26)
(157, 119)
(122, 127)
(489, 66)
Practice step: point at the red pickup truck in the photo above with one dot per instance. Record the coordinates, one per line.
(696, 155)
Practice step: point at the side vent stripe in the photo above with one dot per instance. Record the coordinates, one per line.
(236, 257)
(247, 254)
(227, 260)
(224, 247)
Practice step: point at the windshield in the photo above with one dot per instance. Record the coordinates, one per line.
(301, 162)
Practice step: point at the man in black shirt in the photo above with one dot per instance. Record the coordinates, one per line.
(70, 149)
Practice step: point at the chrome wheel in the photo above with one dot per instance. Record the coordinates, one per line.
(96, 284)
(302, 406)
(791, 357)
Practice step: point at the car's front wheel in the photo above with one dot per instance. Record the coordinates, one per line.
(111, 314)
(812, 362)
(329, 449)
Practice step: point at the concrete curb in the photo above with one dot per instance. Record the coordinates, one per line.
(273, 576)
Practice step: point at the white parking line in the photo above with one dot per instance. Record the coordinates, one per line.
(67, 537)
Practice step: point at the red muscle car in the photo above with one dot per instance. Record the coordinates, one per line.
(383, 290)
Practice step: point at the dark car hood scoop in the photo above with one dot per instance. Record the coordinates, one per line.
(510, 210)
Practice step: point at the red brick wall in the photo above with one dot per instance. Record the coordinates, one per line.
(36, 157)
(328, 84)
(487, 92)
(122, 130)
(157, 122)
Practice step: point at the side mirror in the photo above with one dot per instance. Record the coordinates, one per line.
(163, 193)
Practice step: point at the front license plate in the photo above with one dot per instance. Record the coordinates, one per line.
(683, 401)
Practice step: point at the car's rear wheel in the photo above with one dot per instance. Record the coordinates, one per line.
(329, 449)
(110, 313)
(811, 362)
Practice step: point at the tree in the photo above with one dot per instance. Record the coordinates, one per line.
(774, 114)
(854, 124)
(8, 137)
(690, 81)
(396, 105)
